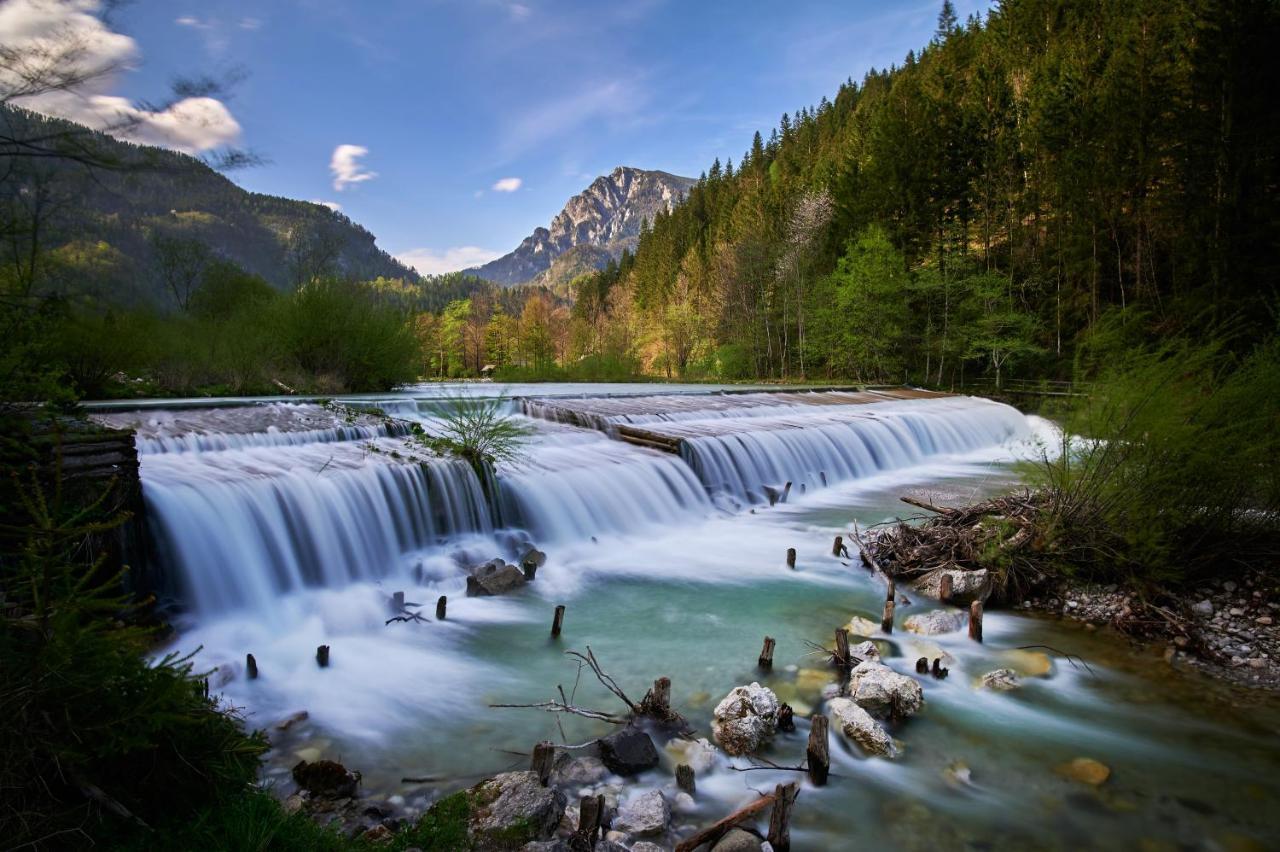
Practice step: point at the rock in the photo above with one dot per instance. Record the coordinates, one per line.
(533, 558)
(1029, 663)
(646, 846)
(619, 837)
(310, 754)
(577, 770)
(293, 804)
(1229, 586)
(1001, 680)
(289, 722)
(810, 682)
(933, 622)
(966, 586)
(957, 774)
(326, 779)
(700, 754)
(878, 689)
(644, 816)
(1264, 620)
(737, 840)
(866, 651)
(859, 626)
(509, 810)
(1203, 608)
(542, 846)
(857, 724)
(607, 845)
(683, 803)
(629, 751)
(379, 835)
(1086, 770)
(745, 719)
(497, 578)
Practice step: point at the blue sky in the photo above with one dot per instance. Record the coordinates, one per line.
(455, 102)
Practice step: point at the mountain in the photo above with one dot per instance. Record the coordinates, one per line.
(106, 217)
(606, 216)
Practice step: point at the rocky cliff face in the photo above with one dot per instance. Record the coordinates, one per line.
(606, 215)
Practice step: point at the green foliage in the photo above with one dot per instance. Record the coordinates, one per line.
(1171, 466)
(252, 821)
(443, 828)
(96, 739)
(477, 429)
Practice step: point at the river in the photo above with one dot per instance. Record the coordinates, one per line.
(282, 526)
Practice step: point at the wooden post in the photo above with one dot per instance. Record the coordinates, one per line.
(838, 548)
(590, 812)
(766, 654)
(786, 718)
(892, 591)
(397, 602)
(558, 621)
(441, 605)
(473, 587)
(251, 666)
(975, 621)
(322, 656)
(922, 665)
(938, 671)
(791, 558)
(544, 756)
(658, 702)
(530, 570)
(944, 587)
(784, 797)
(684, 778)
(886, 622)
(786, 492)
(842, 648)
(818, 752)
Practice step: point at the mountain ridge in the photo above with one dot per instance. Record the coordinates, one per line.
(607, 215)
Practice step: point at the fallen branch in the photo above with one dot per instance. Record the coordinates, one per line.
(558, 707)
(928, 507)
(714, 832)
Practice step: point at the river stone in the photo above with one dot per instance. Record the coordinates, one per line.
(606, 845)
(511, 809)
(700, 754)
(498, 578)
(866, 651)
(644, 816)
(877, 689)
(737, 840)
(745, 719)
(1086, 770)
(857, 724)
(646, 846)
(933, 622)
(628, 752)
(326, 779)
(1001, 680)
(1203, 608)
(576, 770)
(966, 586)
(543, 846)
(859, 626)
(1029, 663)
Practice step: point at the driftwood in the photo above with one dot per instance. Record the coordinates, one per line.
(712, 833)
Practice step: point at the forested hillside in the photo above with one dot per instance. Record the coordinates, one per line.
(128, 224)
(974, 211)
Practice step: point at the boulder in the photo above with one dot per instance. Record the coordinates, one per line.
(577, 770)
(533, 559)
(629, 751)
(644, 816)
(859, 626)
(966, 586)
(878, 689)
(866, 651)
(737, 840)
(495, 578)
(745, 719)
(1001, 680)
(857, 724)
(700, 754)
(326, 779)
(509, 810)
(934, 622)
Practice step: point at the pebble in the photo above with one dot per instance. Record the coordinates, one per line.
(1229, 586)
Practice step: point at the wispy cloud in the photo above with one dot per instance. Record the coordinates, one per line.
(332, 205)
(439, 261)
(610, 100)
(345, 167)
(507, 184)
(250, 24)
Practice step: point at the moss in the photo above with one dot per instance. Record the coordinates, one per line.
(443, 827)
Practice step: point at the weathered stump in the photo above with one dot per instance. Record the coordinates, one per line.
(922, 665)
(938, 671)
(590, 815)
(766, 654)
(944, 587)
(838, 548)
(441, 606)
(557, 621)
(786, 719)
(322, 656)
(791, 558)
(843, 658)
(251, 666)
(473, 588)
(684, 778)
(975, 621)
(818, 753)
(784, 799)
(544, 755)
(397, 602)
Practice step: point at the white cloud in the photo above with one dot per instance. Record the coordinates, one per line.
(436, 262)
(507, 184)
(346, 170)
(609, 100)
(332, 205)
(250, 23)
(71, 31)
(193, 22)
(519, 11)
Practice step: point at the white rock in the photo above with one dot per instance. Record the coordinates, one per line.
(965, 585)
(877, 688)
(683, 803)
(745, 719)
(700, 754)
(866, 651)
(645, 815)
(933, 622)
(1001, 680)
(857, 724)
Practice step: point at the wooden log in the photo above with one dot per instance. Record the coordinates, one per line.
(886, 621)
(251, 666)
(544, 756)
(928, 507)
(975, 621)
(322, 656)
(557, 621)
(818, 753)
(786, 719)
(945, 583)
(784, 799)
(922, 665)
(891, 591)
(685, 780)
(843, 659)
(441, 606)
(590, 814)
(766, 654)
(714, 832)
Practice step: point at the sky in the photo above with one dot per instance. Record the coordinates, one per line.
(450, 129)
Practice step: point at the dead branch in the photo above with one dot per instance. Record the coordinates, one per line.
(714, 832)
(558, 707)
